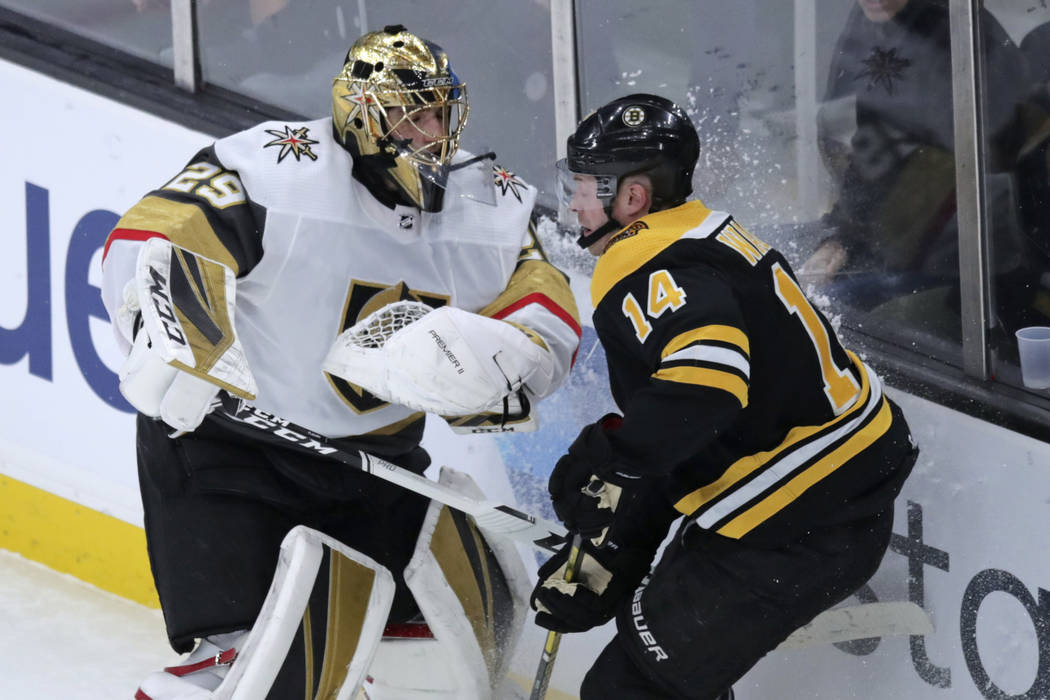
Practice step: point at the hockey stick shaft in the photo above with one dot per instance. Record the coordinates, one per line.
(553, 641)
(864, 621)
(842, 624)
(495, 518)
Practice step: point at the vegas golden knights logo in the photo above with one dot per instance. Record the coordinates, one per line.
(362, 299)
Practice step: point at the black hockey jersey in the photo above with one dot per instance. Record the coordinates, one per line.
(735, 389)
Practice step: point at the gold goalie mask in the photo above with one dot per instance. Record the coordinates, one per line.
(398, 108)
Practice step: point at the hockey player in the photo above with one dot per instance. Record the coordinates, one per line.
(742, 412)
(241, 272)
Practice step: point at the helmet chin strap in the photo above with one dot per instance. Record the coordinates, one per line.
(586, 240)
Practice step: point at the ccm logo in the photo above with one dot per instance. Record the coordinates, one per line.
(158, 292)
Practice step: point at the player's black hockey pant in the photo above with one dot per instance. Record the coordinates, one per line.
(217, 507)
(714, 606)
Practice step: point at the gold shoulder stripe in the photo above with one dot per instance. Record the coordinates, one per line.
(744, 242)
(530, 278)
(724, 334)
(702, 376)
(776, 501)
(664, 228)
(185, 225)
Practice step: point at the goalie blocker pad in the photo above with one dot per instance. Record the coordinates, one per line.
(187, 306)
(319, 626)
(472, 591)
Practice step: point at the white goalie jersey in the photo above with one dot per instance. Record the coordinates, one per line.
(313, 252)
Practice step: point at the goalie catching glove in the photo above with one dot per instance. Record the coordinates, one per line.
(446, 361)
(185, 348)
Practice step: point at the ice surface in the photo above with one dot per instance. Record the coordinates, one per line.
(63, 638)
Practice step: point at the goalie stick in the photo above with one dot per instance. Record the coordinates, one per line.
(860, 621)
(496, 518)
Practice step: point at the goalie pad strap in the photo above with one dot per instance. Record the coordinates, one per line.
(408, 630)
(223, 658)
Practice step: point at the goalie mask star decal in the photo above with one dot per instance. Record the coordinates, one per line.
(294, 141)
(366, 106)
(507, 181)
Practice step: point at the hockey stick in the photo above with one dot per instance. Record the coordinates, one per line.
(550, 646)
(832, 626)
(496, 518)
(862, 621)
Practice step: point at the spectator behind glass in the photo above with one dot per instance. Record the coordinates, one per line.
(1030, 295)
(887, 138)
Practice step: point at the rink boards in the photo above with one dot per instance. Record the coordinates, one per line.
(968, 536)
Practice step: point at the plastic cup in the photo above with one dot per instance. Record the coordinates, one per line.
(1033, 345)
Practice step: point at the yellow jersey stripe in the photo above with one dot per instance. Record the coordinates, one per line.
(745, 466)
(702, 376)
(724, 334)
(783, 496)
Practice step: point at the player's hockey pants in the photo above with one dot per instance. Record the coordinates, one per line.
(713, 607)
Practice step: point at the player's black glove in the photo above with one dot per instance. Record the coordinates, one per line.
(586, 483)
(606, 576)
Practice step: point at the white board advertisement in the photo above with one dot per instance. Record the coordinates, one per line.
(73, 163)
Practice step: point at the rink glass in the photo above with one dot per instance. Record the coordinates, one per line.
(827, 119)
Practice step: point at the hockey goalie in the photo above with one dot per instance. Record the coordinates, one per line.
(348, 275)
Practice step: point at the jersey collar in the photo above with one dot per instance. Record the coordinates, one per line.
(643, 240)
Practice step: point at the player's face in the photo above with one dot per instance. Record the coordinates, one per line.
(585, 203)
(881, 10)
(423, 127)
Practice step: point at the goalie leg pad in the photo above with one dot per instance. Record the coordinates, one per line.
(319, 626)
(472, 593)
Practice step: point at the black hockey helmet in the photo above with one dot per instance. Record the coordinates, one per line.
(635, 134)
